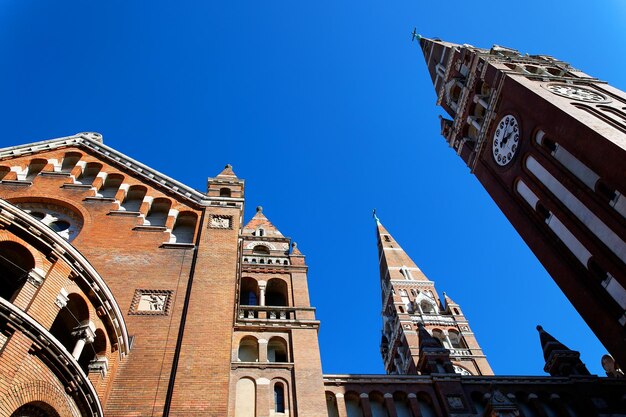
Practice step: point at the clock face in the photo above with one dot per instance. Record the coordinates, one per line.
(576, 93)
(506, 140)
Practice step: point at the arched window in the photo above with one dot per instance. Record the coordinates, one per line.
(401, 402)
(69, 161)
(72, 317)
(438, 334)
(277, 350)
(331, 404)
(134, 198)
(111, 186)
(455, 339)
(248, 350)
(225, 192)
(34, 168)
(353, 405)
(377, 405)
(89, 174)
(15, 263)
(279, 397)
(249, 292)
(184, 228)
(276, 294)
(159, 210)
(261, 250)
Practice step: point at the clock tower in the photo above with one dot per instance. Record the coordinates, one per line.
(548, 142)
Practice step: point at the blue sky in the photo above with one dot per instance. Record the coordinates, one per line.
(326, 109)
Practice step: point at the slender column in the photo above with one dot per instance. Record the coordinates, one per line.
(262, 287)
(84, 333)
(365, 405)
(390, 405)
(414, 405)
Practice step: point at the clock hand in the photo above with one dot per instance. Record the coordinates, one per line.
(505, 139)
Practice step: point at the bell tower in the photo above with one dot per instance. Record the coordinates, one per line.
(411, 305)
(275, 363)
(548, 142)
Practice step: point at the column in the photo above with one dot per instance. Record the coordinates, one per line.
(262, 287)
(84, 333)
(390, 405)
(414, 405)
(341, 405)
(365, 405)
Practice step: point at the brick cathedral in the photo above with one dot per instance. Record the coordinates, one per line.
(126, 293)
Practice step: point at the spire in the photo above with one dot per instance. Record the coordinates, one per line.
(227, 172)
(560, 360)
(259, 225)
(393, 258)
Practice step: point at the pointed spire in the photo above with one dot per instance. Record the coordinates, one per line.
(394, 258)
(294, 249)
(227, 172)
(375, 217)
(560, 360)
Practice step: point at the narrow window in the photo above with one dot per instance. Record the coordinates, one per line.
(111, 186)
(279, 398)
(225, 192)
(69, 161)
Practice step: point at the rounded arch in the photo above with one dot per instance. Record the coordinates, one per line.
(134, 197)
(64, 218)
(456, 340)
(184, 228)
(261, 250)
(249, 292)
(353, 404)
(280, 391)
(426, 406)
(377, 404)
(401, 403)
(331, 404)
(35, 409)
(248, 349)
(73, 315)
(89, 173)
(277, 350)
(70, 159)
(245, 398)
(225, 192)
(16, 262)
(276, 293)
(35, 166)
(111, 185)
(38, 392)
(159, 210)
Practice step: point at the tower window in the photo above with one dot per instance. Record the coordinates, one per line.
(225, 192)
(260, 250)
(387, 238)
(279, 398)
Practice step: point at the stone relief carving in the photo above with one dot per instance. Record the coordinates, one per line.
(221, 222)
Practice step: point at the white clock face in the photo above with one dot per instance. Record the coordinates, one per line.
(576, 93)
(506, 140)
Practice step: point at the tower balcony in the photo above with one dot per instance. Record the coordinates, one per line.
(266, 260)
(275, 314)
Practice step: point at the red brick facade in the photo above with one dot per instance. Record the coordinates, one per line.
(126, 293)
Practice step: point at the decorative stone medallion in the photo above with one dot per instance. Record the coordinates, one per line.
(221, 222)
(151, 302)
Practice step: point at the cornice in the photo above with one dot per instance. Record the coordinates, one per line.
(92, 142)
